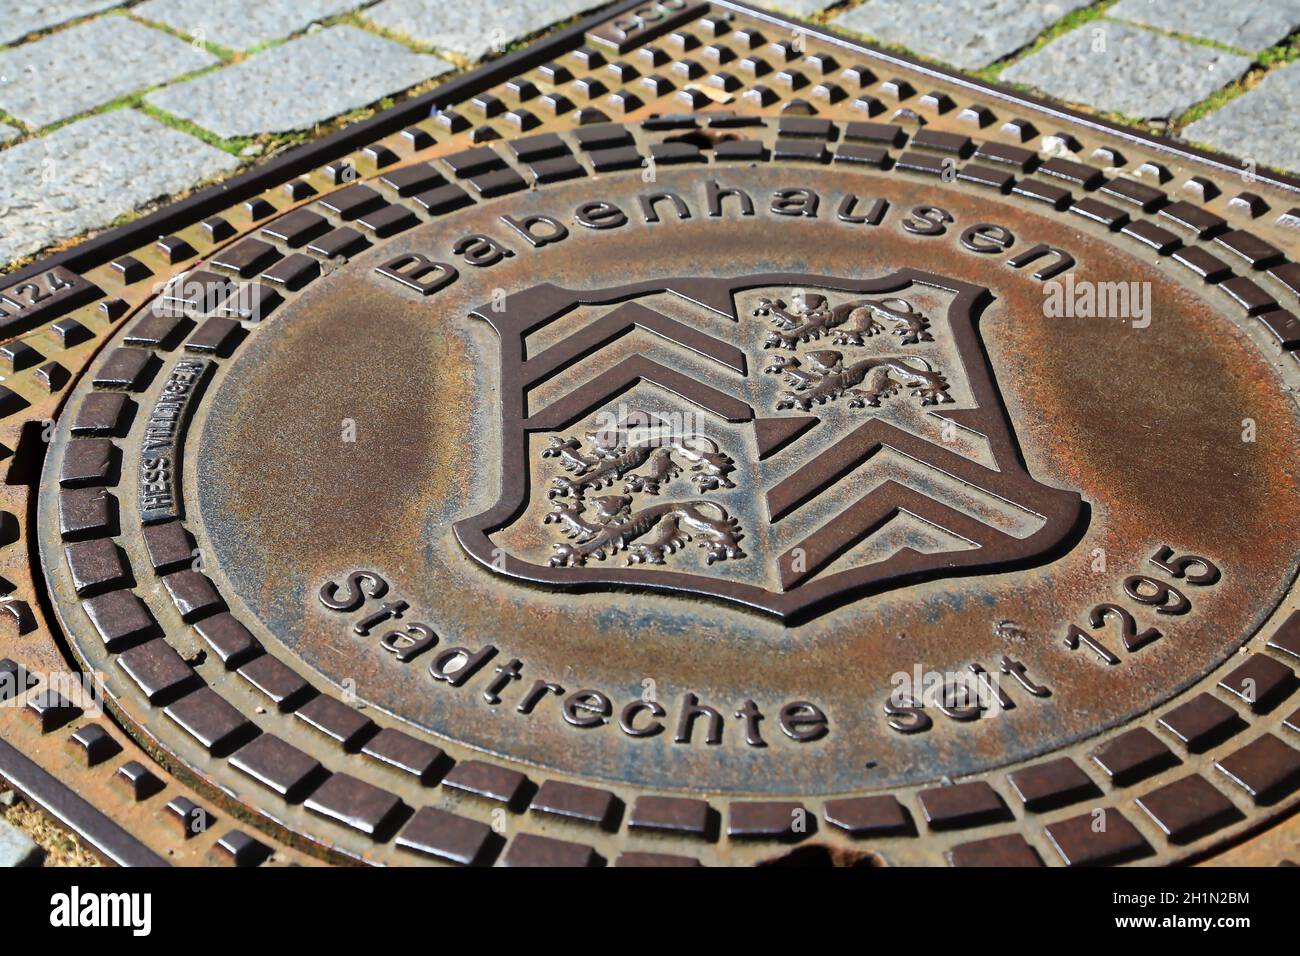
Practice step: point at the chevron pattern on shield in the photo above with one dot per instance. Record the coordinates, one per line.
(785, 442)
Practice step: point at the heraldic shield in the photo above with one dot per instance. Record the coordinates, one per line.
(785, 442)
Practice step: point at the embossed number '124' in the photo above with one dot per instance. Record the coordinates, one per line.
(1150, 591)
(20, 297)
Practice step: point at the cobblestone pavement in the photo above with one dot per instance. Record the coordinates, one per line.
(16, 848)
(107, 108)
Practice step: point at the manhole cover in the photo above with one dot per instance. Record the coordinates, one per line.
(695, 438)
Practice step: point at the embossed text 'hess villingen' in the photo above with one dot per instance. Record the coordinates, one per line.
(427, 276)
(586, 708)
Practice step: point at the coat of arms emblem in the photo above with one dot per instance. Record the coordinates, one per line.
(784, 442)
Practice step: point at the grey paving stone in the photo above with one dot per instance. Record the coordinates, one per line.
(1123, 69)
(966, 33)
(477, 28)
(298, 84)
(21, 17)
(75, 70)
(1259, 124)
(86, 174)
(8, 132)
(798, 8)
(16, 848)
(241, 24)
(1252, 26)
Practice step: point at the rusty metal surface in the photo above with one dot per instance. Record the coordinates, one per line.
(667, 453)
